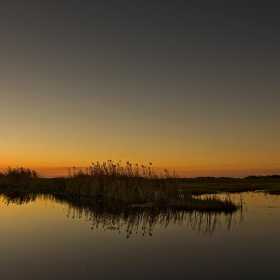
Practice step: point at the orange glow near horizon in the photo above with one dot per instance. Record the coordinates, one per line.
(193, 158)
(188, 172)
(218, 156)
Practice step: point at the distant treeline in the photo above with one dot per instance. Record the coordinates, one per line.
(262, 177)
(226, 179)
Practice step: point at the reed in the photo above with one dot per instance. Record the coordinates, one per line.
(131, 184)
(11, 176)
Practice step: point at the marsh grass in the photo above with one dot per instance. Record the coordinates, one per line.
(109, 181)
(131, 184)
(20, 175)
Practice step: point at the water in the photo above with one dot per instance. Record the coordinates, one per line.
(48, 239)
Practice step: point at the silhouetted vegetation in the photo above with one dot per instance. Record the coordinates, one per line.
(138, 185)
(133, 185)
(17, 175)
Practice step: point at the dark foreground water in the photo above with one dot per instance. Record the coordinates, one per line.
(48, 239)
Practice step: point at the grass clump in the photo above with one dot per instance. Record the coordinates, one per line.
(109, 181)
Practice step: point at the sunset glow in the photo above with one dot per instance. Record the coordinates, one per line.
(185, 89)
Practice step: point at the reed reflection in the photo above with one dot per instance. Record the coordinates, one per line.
(132, 219)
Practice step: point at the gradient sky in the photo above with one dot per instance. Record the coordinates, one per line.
(187, 85)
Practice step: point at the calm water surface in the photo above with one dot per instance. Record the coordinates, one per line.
(48, 239)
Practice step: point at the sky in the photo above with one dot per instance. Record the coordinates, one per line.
(191, 86)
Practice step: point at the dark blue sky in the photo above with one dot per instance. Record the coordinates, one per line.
(187, 82)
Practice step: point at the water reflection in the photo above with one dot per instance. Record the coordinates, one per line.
(16, 197)
(132, 219)
(176, 244)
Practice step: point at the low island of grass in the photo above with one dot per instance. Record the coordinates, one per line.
(138, 186)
